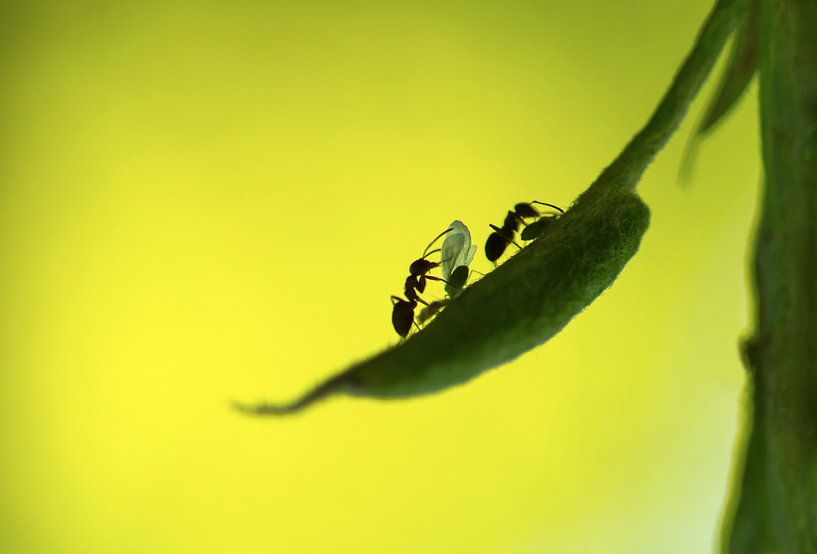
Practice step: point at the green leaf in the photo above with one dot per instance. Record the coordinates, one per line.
(739, 69)
(734, 81)
(533, 295)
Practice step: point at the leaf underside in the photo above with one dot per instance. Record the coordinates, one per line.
(534, 294)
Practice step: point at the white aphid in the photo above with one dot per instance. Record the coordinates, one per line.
(457, 249)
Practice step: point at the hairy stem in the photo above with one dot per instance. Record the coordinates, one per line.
(777, 502)
(626, 170)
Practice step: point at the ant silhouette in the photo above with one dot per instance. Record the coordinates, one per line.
(402, 315)
(457, 252)
(502, 236)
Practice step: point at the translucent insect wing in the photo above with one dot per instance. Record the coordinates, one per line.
(456, 249)
(470, 257)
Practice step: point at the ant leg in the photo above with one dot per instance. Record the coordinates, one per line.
(502, 234)
(555, 207)
(430, 244)
(394, 299)
(431, 277)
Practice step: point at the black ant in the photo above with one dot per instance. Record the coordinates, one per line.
(402, 315)
(502, 236)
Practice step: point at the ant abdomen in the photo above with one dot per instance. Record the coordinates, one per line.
(402, 315)
(495, 246)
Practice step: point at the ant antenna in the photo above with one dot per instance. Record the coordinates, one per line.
(416, 299)
(438, 237)
(548, 205)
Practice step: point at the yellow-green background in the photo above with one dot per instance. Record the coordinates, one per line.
(202, 202)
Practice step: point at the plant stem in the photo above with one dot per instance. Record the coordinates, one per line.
(626, 170)
(776, 508)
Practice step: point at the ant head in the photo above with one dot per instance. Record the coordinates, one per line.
(421, 267)
(523, 209)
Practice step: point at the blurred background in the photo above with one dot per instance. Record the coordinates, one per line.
(211, 201)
